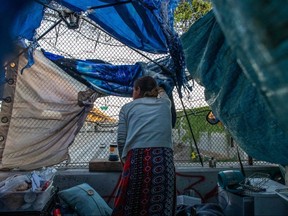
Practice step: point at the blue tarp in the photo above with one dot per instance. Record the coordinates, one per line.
(238, 52)
(111, 79)
(146, 25)
(131, 23)
(115, 79)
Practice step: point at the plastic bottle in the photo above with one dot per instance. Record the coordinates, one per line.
(47, 173)
(212, 162)
(56, 211)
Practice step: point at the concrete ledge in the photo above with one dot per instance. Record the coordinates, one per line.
(104, 165)
(200, 181)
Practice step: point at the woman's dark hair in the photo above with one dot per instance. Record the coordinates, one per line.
(148, 86)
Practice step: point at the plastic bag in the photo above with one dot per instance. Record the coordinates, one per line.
(14, 183)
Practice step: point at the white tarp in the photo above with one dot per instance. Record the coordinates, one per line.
(46, 116)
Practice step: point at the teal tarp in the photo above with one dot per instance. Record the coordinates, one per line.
(242, 65)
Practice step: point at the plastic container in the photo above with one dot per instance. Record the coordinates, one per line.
(230, 178)
(188, 200)
(25, 200)
(113, 152)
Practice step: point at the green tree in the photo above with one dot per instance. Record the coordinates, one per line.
(188, 12)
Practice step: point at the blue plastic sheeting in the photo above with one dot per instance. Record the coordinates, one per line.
(146, 25)
(105, 78)
(232, 94)
(111, 79)
(115, 80)
(131, 23)
(8, 10)
(27, 19)
(163, 11)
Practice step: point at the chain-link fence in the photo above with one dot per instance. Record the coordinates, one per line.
(192, 135)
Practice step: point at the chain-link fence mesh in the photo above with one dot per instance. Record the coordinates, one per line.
(192, 135)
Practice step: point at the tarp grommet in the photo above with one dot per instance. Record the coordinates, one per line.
(12, 64)
(4, 119)
(7, 100)
(10, 81)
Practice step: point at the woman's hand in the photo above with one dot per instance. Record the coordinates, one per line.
(160, 90)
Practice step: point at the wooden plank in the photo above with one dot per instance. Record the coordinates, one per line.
(104, 165)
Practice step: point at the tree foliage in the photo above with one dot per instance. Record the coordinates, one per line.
(188, 11)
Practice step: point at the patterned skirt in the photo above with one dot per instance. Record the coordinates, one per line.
(147, 185)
